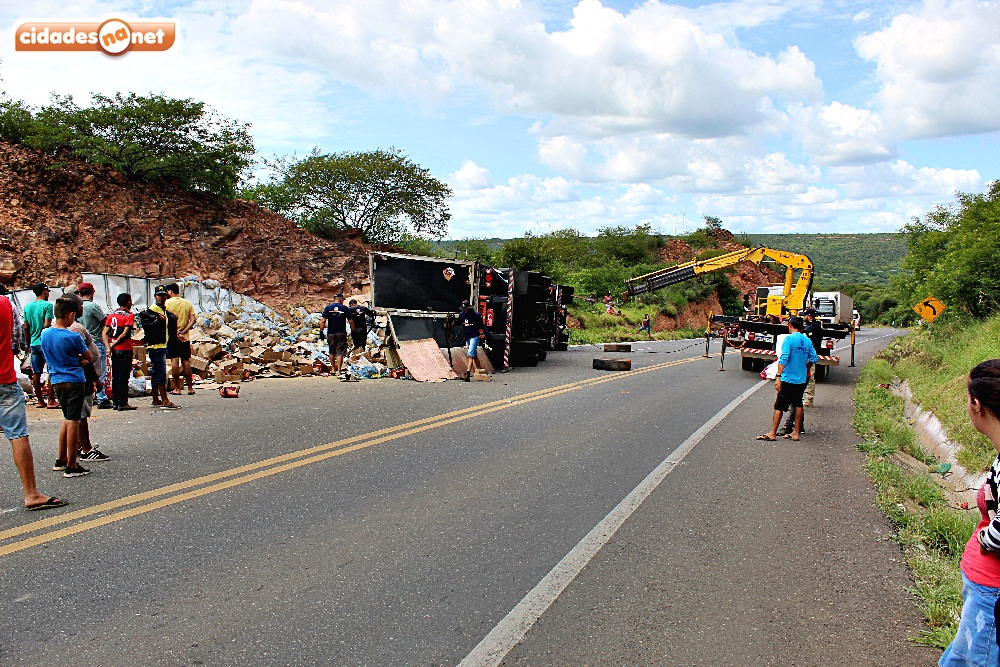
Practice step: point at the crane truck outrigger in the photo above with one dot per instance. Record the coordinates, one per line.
(756, 333)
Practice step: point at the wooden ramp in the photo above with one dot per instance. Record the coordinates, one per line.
(424, 361)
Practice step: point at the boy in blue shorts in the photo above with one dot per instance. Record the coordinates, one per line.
(66, 354)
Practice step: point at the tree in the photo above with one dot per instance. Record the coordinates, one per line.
(144, 137)
(382, 193)
(951, 254)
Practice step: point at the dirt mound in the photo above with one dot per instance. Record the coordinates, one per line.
(60, 218)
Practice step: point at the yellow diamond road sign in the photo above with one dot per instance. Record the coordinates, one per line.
(929, 308)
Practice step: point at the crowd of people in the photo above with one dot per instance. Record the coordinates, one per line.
(76, 344)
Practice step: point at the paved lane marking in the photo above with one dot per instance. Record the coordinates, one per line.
(514, 626)
(305, 457)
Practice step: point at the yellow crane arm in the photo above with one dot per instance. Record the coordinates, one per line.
(793, 296)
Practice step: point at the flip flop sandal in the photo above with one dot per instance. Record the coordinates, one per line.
(50, 503)
(788, 436)
(764, 436)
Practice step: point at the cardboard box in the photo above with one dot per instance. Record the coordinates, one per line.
(481, 376)
(222, 375)
(207, 350)
(305, 369)
(200, 364)
(285, 368)
(270, 354)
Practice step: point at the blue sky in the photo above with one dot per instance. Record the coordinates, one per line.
(776, 116)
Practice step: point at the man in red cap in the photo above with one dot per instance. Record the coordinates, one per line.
(93, 319)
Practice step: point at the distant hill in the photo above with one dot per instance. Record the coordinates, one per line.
(839, 258)
(843, 258)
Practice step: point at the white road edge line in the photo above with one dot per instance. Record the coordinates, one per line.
(511, 630)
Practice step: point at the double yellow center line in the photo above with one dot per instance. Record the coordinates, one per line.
(172, 494)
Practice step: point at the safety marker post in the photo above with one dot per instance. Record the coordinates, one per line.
(510, 313)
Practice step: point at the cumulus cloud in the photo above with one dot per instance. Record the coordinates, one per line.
(838, 133)
(939, 68)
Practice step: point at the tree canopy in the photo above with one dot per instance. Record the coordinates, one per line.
(381, 192)
(952, 254)
(151, 137)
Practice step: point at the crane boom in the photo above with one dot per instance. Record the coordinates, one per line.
(793, 297)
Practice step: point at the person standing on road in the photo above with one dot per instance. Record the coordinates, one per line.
(179, 349)
(976, 641)
(813, 330)
(93, 318)
(334, 322)
(472, 324)
(159, 325)
(797, 357)
(14, 418)
(118, 338)
(87, 451)
(66, 354)
(359, 323)
(38, 317)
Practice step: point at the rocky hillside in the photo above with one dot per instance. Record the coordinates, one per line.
(61, 218)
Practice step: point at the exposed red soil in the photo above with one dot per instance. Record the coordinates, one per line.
(58, 220)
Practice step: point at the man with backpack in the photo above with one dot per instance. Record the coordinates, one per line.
(159, 325)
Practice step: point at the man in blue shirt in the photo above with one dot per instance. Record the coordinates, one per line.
(335, 319)
(472, 324)
(797, 357)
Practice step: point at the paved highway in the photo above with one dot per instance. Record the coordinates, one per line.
(313, 522)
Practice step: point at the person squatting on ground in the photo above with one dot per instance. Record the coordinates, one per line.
(813, 329)
(179, 348)
(93, 318)
(66, 355)
(359, 323)
(975, 644)
(14, 418)
(38, 317)
(159, 326)
(334, 322)
(118, 338)
(797, 357)
(472, 324)
(86, 451)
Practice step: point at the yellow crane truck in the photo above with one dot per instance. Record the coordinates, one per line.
(757, 331)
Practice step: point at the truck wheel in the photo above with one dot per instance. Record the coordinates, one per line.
(747, 363)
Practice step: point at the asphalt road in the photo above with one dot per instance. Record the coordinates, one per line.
(313, 522)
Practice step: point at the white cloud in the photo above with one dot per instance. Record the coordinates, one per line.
(470, 176)
(939, 68)
(840, 134)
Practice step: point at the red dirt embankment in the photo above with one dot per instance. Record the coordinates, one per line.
(59, 218)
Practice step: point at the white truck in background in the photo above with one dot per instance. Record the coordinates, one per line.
(833, 307)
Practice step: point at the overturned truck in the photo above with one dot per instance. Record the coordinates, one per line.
(524, 311)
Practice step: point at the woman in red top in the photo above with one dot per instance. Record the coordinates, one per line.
(976, 641)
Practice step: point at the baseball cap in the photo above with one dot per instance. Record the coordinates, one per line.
(159, 291)
(465, 304)
(338, 295)
(809, 311)
(85, 287)
(795, 321)
(38, 288)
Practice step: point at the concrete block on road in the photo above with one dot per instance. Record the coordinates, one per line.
(608, 364)
(618, 347)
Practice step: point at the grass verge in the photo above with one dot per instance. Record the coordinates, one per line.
(935, 361)
(596, 326)
(931, 532)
